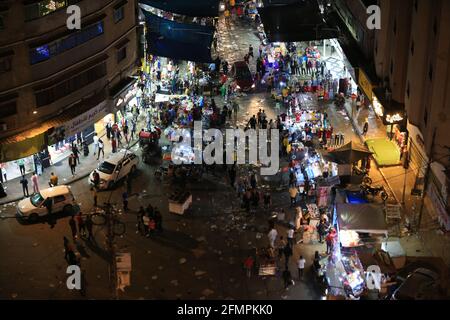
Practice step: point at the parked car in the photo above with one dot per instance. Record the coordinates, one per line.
(34, 207)
(116, 167)
(242, 76)
(421, 284)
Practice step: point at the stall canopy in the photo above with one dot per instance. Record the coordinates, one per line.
(301, 21)
(350, 153)
(197, 8)
(179, 41)
(363, 218)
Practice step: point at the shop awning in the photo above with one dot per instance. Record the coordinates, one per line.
(350, 153)
(390, 107)
(31, 141)
(363, 218)
(179, 41)
(301, 21)
(197, 8)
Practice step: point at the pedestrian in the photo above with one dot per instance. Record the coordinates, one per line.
(329, 240)
(140, 221)
(53, 180)
(267, 200)
(89, 225)
(273, 234)
(287, 277)
(95, 143)
(250, 51)
(290, 236)
(67, 247)
(73, 227)
(108, 129)
(94, 195)
(133, 129)
(81, 225)
(125, 200)
(366, 126)
(248, 264)
(21, 164)
(287, 254)
(293, 192)
(35, 182)
(253, 182)
(76, 153)
(72, 163)
(24, 183)
(232, 175)
(101, 147)
(301, 267)
(158, 220)
(281, 244)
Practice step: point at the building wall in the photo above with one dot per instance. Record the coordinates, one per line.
(25, 79)
(428, 79)
(391, 45)
(354, 13)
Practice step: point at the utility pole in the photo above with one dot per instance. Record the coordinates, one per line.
(427, 179)
(111, 250)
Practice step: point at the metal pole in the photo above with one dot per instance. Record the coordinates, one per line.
(404, 187)
(425, 186)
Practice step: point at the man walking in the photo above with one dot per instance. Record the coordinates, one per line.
(101, 149)
(72, 163)
(81, 225)
(24, 183)
(301, 267)
(94, 195)
(89, 225)
(293, 191)
(53, 180)
(290, 236)
(35, 182)
(73, 227)
(95, 143)
(76, 153)
(21, 164)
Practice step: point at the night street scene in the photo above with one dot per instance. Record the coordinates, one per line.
(259, 150)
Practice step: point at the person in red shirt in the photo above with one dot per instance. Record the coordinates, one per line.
(248, 264)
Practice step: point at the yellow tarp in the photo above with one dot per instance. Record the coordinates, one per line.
(22, 149)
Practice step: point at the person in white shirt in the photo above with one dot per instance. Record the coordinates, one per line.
(301, 267)
(95, 143)
(290, 237)
(273, 234)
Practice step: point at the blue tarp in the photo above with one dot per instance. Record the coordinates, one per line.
(192, 8)
(179, 41)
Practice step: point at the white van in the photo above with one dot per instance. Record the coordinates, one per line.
(33, 207)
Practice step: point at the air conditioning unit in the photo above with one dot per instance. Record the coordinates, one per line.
(3, 127)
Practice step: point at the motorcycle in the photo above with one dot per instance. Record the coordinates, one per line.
(359, 172)
(374, 191)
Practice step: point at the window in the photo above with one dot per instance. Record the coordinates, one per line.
(408, 90)
(121, 54)
(5, 64)
(69, 86)
(392, 66)
(43, 8)
(2, 25)
(59, 46)
(58, 199)
(435, 27)
(8, 109)
(119, 14)
(430, 73)
(412, 48)
(425, 118)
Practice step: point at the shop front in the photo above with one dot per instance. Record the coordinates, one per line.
(124, 97)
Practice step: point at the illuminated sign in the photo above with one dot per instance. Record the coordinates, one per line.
(365, 84)
(394, 118)
(377, 107)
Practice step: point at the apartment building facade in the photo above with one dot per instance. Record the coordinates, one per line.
(52, 77)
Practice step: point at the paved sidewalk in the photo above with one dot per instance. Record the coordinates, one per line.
(61, 169)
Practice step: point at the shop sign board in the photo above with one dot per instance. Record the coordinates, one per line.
(22, 149)
(82, 121)
(365, 84)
